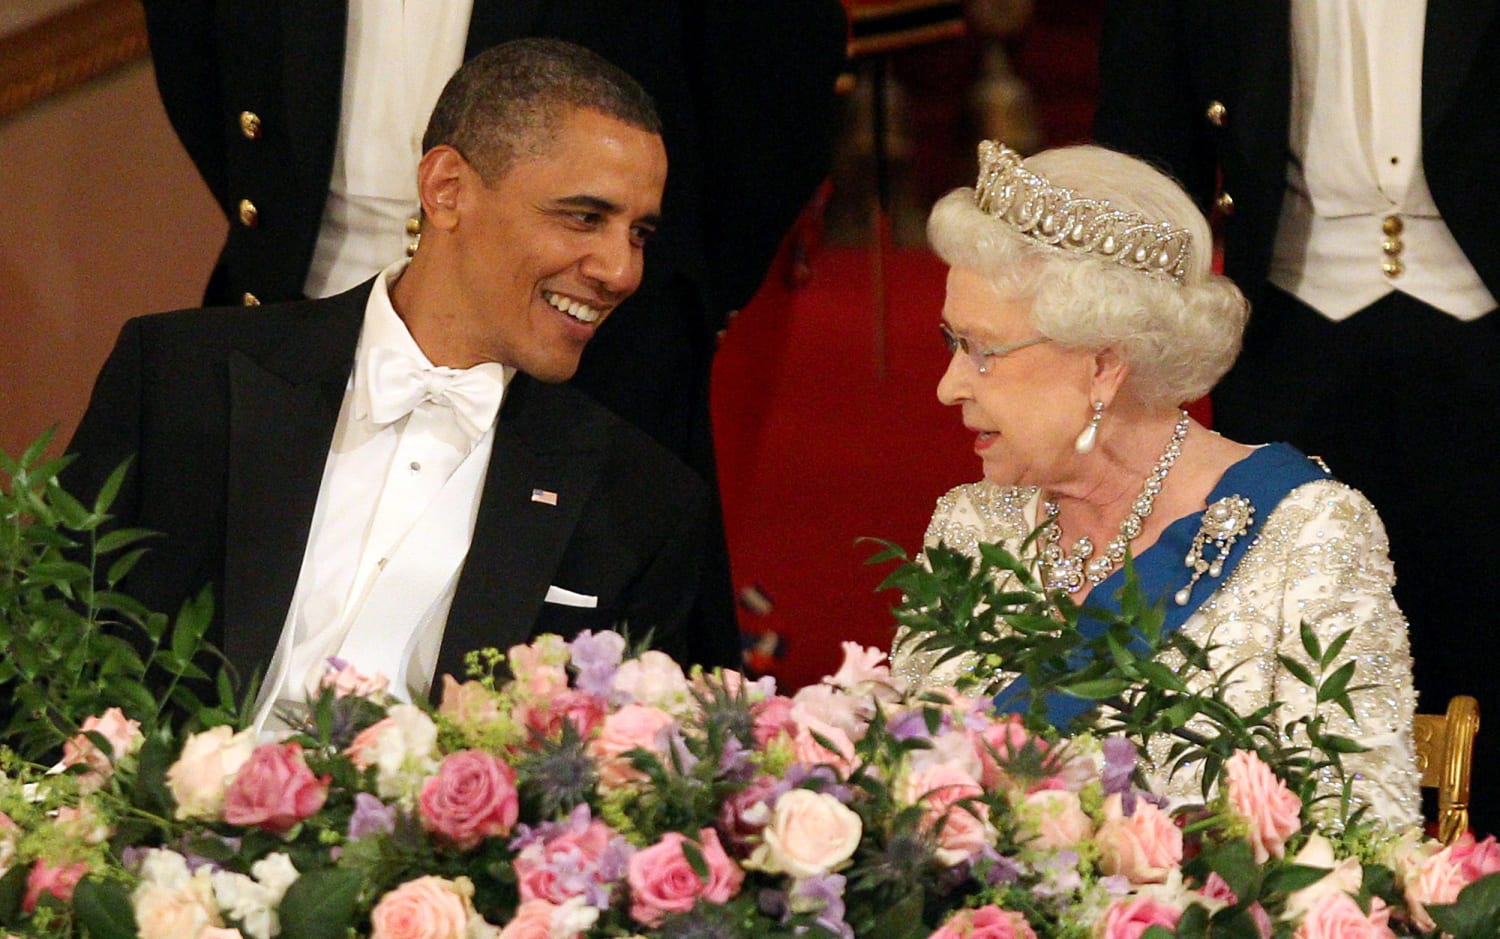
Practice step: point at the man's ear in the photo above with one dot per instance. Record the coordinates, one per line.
(441, 178)
(1110, 372)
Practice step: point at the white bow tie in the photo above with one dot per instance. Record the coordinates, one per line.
(397, 384)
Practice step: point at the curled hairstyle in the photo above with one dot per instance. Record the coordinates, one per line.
(1177, 340)
(507, 103)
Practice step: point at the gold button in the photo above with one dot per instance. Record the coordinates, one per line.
(414, 225)
(1391, 225)
(249, 214)
(1392, 246)
(1392, 267)
(411, 249)
(250, 299)
(250, 124)
(1225, 203)
(1217, 114)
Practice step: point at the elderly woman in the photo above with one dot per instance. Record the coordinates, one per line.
(1081, 312)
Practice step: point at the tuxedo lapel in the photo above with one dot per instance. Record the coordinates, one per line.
(1454, 33)
(283, 409)
(542, 442)
(496, 21)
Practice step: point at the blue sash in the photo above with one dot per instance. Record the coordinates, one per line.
(1264, 477)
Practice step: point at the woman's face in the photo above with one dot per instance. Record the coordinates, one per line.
(1029, 406)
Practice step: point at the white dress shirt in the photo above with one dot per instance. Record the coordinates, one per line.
(1356, 144)
(393, 522)
(397, 57)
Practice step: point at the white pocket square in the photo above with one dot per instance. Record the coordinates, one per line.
(561, 597)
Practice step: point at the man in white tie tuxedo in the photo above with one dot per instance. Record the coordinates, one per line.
(393, 475)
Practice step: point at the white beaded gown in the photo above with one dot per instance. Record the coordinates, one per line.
(1320, 556)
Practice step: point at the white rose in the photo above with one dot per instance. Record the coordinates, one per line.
(810, 834)
(203, 772)
(169, 902)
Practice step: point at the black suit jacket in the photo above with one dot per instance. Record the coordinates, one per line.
(230, 413)
(745, 91)
(1162, 62)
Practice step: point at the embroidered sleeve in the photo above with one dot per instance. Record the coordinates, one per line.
(1322, 559)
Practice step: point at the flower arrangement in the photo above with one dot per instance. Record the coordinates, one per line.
(600, 794)
(576, 788)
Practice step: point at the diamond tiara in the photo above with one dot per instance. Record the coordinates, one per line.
(1052, 215)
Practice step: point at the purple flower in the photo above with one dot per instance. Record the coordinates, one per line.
(597, 657)
(1119, 769)
(1059, 875)
(911, 725)
(371, 817)
(734, 761)
(826, 891)
(998, 869)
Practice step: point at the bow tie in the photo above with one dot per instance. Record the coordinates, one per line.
(397, 384)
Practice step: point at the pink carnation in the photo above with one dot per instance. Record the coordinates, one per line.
(1273, 812)
(347, 680)
(1000, 742)
(56, 881)
(773, 717)
(469, 704)
(1128, 919)
(662, 881)
(579, 708)
(274, 790)
(472, 797)
(987, 922)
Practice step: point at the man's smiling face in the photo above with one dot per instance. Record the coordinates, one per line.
(547, 251)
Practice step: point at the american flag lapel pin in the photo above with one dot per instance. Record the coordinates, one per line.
(544, 496)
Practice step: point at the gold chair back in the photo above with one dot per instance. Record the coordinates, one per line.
(1445, 757)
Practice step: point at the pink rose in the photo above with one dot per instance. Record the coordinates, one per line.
(1129, 918)
(472, 797)
(57, 881)
(123, 735)
(425, 908)
(1144, 847)
(1337, 916)
(951, 807)
(1273, 812)
(201, 775)
(1057, 817)
(632, 726)
(1436, 879)
(662, 881)
(810, 834)
(274, 790)
(987, 922)
(1478, 858)
(746, 813)
(538, 864)
(533, 920)
(579, 708)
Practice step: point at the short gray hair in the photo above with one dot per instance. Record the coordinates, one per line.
(509, 101)
(1177, 340)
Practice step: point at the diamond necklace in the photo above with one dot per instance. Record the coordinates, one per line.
(1069, 571)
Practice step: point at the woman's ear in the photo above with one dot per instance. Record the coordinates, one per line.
(441, 177)
(1109, 374)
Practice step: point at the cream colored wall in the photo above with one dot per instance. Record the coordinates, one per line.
(102, 217)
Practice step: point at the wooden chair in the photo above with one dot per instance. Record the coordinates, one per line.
(1445, 756)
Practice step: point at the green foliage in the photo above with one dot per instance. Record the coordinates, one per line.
(1144, 681)
(75, 644)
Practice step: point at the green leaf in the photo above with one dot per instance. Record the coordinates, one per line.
(1096, 690)
(111, 488)
(1235, 862)
(103, 907)
(1292, 877)
(12, 892)
(321, 904)
(1298, 670)
(121, 538)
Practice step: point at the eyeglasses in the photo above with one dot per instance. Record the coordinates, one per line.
(981, 357)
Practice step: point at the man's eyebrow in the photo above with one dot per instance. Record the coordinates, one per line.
(603, 206)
